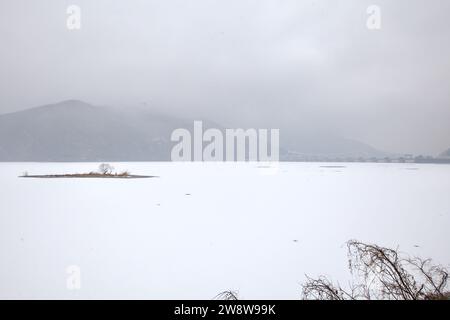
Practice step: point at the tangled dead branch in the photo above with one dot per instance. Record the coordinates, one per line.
(227, 295)
(382, 273)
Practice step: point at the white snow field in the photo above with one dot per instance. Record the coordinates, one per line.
(202, 228)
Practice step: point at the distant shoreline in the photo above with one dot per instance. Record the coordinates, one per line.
(394, 161)
(87, 175)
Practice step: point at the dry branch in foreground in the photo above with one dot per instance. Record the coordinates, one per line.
(227, 295)
(383, 273)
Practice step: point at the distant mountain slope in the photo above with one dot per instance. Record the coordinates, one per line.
(309, 146)
(445, 154)
(77, 131)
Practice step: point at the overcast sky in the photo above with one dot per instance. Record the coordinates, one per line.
(294, 64)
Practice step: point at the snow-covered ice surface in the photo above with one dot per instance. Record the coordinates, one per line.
(202, 228)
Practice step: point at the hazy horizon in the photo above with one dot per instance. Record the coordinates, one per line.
(301, 66)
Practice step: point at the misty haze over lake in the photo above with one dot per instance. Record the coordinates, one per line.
(310, 68)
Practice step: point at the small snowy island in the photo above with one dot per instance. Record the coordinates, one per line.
(104, 171)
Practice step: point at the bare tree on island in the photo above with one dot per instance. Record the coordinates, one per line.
(383, 273)
(105, 168)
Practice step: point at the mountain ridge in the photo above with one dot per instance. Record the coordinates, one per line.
(73, 130)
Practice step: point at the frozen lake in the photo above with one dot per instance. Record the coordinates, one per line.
(202, 228)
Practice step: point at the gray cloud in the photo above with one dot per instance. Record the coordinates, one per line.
(297, 65)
